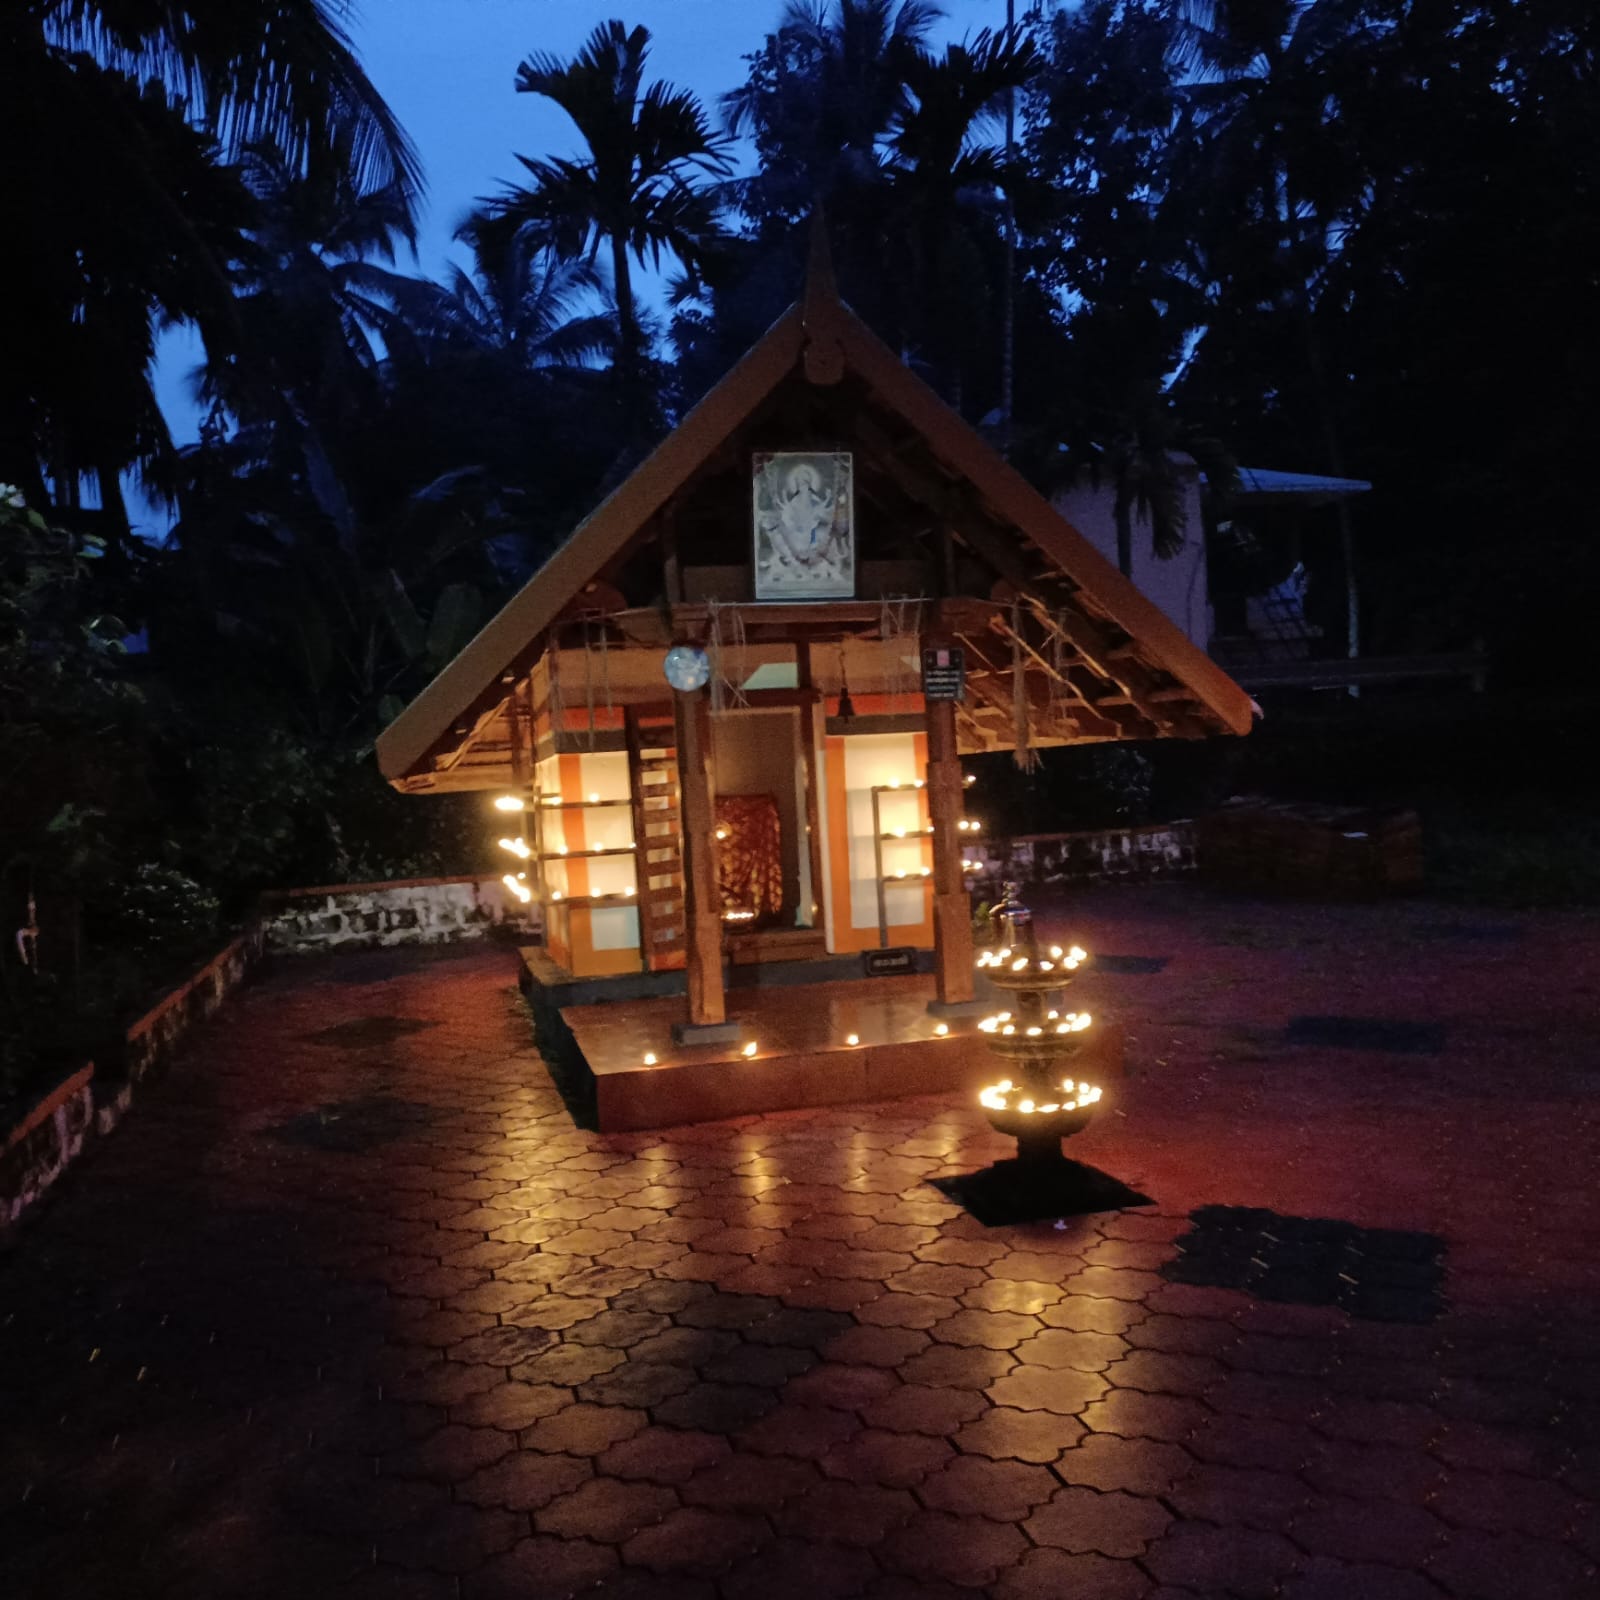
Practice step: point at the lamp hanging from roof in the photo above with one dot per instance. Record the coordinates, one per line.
(847, 711)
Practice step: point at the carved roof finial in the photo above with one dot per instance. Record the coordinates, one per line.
(824, 358)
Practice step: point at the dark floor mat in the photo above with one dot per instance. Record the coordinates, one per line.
(1130, 966)
(1381, 1273)
(365, 1031)
(1398, 1035)
(356, 1125)
(1009, 1192)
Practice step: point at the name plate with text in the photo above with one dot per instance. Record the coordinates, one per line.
(889, 963)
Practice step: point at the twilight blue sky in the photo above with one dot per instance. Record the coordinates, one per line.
(447, 66)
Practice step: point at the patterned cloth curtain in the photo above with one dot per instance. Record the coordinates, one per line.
(749, 854)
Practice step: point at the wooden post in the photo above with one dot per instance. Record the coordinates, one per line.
(813, 737)
(952, 912)
(697, 819)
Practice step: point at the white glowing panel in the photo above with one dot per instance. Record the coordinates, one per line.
(614, 928)
(872, 759)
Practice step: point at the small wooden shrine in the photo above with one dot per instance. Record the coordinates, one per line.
(725, 720)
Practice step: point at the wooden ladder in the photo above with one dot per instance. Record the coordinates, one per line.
(657, 836)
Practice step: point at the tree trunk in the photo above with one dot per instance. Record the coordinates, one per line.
(113, 508)
(627, 335)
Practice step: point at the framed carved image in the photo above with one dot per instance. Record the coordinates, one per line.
(805, 525)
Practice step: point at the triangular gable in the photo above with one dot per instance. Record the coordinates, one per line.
(825, 339)
(602, 535)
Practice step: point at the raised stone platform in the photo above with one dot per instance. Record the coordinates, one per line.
(600, 1031)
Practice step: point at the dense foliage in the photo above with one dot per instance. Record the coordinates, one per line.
(1352, 236)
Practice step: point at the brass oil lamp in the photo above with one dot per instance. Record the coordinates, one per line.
(1041, 1099)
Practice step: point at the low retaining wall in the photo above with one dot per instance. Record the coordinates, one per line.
(1156, 850)
(44, 1144)
(91, 1102)
(356, 916)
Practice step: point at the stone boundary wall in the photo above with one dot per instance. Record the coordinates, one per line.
(356, 916)
(90, 1102)
(1155, 850)
(41, 1147)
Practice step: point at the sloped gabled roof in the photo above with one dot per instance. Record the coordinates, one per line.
(1116, 640)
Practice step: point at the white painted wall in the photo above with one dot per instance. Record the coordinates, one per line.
(1177, 586)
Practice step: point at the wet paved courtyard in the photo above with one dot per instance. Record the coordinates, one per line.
(348, 1306)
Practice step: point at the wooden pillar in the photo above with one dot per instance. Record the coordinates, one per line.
(813, 737)
(697, 819)
(952, 913)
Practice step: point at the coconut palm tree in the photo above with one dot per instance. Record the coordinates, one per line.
(638, 193)
(1265, 138)
(947, 184)
(824, 93)
(521, 299)
(131, 113)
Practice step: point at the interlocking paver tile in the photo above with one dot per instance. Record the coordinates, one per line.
(1398, 1536)
(1107, 1461)
(450, 1454)
(1376, 1472)
(931, 1278)
(1241, 1561)
(541, 1566)
(1197, 1336)
(1326, 1579)
(620, 1330)
(799, 1430)
(750, 1483)
(1061, 1389)
(896, 1460)
(638, 1383)
(847, 1513)
(1511, 1502)
(1136, 1415)
(1157, 1372)
(875, 1347)
(894, 1310)
(1251, 1442)
(976, 1486)
(1085, 1520)
(696, 1540)
(457, 1538)
(920, 1408)
(524, 1480)
(662, 1455)
(1057, 1575)
(583, 1429)
(513, 1406)
(606, 1510)
(1083, 1313)
(1477, 1565)
(1012, 1294)
(963, 1550)
(993, 1330)
(794, 1570)
(1240, 1496)
(845, 1388)
(1002, 1433)
(957, 1366)
(716, 1407)
(567, 1365)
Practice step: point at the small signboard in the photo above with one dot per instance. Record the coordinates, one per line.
(944, 673)
(889, 963)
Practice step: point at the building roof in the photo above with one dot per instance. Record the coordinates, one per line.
(1265, 487)
(1102, 661)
